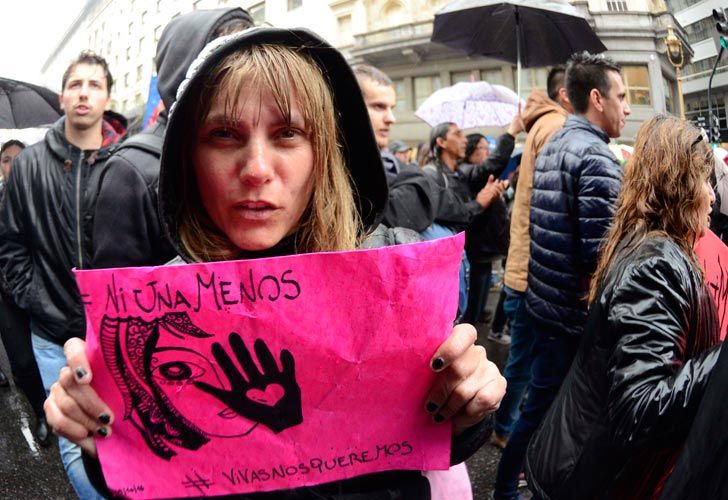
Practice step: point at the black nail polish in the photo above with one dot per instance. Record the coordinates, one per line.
(431, 407)
(101, 431)
(439, 419)
(104, 419)
(438, 363)
(80, 372)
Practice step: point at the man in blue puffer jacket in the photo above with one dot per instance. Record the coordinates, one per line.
(575, 186)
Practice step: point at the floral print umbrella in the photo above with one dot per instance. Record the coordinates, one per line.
(470, 104)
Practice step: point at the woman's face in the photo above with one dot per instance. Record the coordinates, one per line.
(480, 153)
(174, 369)
(254, 171)
(707, 198)
(6, 160)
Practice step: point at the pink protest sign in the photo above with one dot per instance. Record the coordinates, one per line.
(713, 254)
(266, 374)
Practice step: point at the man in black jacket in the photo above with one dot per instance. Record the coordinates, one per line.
(412, 198)
(575, 186)
(45, 223)
(134, 236)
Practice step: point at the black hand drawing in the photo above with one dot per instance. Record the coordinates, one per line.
(276, 415)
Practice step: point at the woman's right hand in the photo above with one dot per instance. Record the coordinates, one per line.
(73, 409)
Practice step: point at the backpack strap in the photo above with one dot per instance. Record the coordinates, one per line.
(149, 143)
(432, 168)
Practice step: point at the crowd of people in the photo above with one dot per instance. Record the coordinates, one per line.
(270, 144)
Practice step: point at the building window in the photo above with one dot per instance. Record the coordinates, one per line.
(257, 12)
(294, 4)
(157, 33)
(159, 5)
(131, 28)
(531, 78)
(637, 81)
(126, 80)
(494, 76)
(464, 76)
(669, 96)
(424, 87)
(401, 90)
(108, 49)
(698, 107)
(128, 53)
(140, 70)
(196, 5)
(344, 29)
(144, 18)
(617, 5)
(678, 5)
(700, 30)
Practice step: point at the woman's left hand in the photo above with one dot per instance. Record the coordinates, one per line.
(468, 386)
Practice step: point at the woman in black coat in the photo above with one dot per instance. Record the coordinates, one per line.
(623, 413)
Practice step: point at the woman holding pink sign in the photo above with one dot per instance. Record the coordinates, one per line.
(269, 152)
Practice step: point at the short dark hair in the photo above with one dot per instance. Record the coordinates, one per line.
(11, 142)
(93, 59)
(584, 72)
(438, 132)
(555, 81)
(372, 73)
(473, 140)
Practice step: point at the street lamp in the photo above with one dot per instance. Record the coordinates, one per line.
(676, 58)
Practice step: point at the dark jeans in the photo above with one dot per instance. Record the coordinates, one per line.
(552, 357)
(518, 367)
(15, 331)
(478, 291)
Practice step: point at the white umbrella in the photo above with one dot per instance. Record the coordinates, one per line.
(470, 104)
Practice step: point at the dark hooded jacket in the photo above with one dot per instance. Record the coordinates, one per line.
(370, 186)
(133, 236)
(45, 226)
(412, 196)
(456, 202)
(626, 406)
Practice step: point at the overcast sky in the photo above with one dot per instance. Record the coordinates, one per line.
(29, 31)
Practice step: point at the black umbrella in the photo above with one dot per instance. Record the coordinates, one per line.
(24, 105)
(528, 33)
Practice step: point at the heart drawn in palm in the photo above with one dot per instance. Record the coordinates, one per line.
(269, 397)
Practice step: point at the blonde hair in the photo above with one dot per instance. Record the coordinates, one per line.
(331, 221)
(662, 189)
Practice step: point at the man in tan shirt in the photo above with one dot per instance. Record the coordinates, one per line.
(543, 116)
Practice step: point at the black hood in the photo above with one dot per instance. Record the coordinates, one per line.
(360, 151)
(182, 40)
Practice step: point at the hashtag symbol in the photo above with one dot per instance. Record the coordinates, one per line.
(199, 483)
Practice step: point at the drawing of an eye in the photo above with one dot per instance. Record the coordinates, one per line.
(178, 371)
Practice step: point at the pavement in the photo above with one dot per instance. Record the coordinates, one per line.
(28, 471)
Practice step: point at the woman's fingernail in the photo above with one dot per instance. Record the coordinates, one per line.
(431, 407)
(439, 419)
(438, 363)
(101, 431)
(80, 372)
(104, 419)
